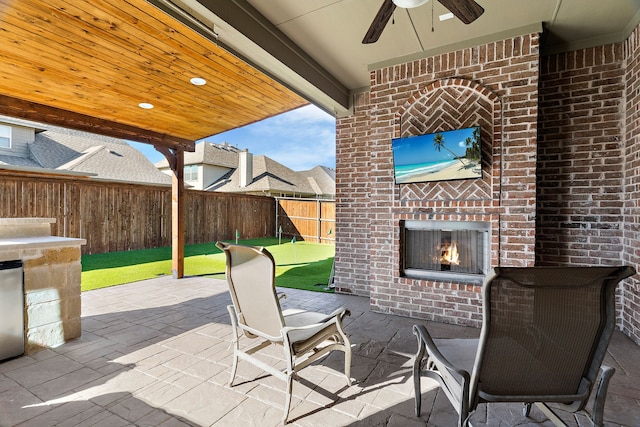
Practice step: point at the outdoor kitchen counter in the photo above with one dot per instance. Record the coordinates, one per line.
(52, 276)
(23, 243)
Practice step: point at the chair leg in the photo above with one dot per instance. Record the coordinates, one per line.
(341, 337)
(287, 402)
(347, 358)
(234, 368)
(418, 394)
(416, 376)
(236, 345)
(597, 415)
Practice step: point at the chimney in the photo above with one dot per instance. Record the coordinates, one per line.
(245, 167)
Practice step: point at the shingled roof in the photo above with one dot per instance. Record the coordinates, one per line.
(209, 153)
(99, 156)
(322, 179)
(271, 177)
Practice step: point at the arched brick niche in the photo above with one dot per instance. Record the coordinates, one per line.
(453, 104)
(442, 105)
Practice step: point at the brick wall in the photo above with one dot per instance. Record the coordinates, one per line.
(589, 164)
(581, 157)
(572, 199)
(630, 319)
(352, 199)
(493, 85)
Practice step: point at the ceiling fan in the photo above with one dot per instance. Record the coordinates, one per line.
(465, 10)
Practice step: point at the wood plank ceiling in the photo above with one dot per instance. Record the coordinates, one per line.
(88, 64)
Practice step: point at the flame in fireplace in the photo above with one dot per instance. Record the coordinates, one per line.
(450, 255)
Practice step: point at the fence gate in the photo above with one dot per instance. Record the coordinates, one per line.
(312, 220)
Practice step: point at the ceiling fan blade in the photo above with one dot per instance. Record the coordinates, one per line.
(465, 10)
(379, 22)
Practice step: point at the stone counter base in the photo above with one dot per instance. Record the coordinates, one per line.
(52, 297)
(52, 276)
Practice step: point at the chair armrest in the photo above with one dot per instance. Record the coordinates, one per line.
(434, 353)
(339, 312)
(454, 381)
(434, 356)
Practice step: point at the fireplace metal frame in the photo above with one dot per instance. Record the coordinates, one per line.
(449, 276)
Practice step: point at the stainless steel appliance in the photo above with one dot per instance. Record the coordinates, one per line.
(11, 309)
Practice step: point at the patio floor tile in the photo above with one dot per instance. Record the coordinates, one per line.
(158, 352)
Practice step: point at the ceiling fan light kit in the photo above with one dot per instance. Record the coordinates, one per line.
(409, 4)
(446, 16)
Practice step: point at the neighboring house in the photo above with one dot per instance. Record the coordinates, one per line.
(206, 164)
(266, 176)
(34, 145)
(224, 168)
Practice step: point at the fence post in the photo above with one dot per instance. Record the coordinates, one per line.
(319, 218)
(277, 213)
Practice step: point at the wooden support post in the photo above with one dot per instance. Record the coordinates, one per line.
(175, 157)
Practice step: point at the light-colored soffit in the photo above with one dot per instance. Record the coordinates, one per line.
(331, 31)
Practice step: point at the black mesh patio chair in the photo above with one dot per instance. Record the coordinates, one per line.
(544, 336)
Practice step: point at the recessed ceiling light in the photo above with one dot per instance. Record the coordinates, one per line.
(446, 16)
(198, 81)
(145, 105)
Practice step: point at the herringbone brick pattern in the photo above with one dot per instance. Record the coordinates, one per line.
(452, 105)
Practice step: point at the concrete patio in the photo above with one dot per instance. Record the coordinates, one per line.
(157, 353)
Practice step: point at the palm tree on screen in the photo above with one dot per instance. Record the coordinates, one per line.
(438, 142)
(473, 145)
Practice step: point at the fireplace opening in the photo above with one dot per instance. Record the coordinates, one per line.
(445, 250)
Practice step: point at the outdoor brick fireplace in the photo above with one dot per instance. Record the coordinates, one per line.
(445, 250)
(379, 252)
(560, 169)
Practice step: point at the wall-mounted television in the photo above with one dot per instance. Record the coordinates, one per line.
(439, 156)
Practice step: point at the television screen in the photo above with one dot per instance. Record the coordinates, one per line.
(440, 156)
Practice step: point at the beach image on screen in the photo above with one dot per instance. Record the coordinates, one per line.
(438, 156)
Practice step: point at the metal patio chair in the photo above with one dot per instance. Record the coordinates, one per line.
(544, 336)
(305, 336)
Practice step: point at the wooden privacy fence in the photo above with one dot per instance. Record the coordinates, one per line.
(114, 216)
(311, 220)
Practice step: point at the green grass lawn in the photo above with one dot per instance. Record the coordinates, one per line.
(299, 265)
